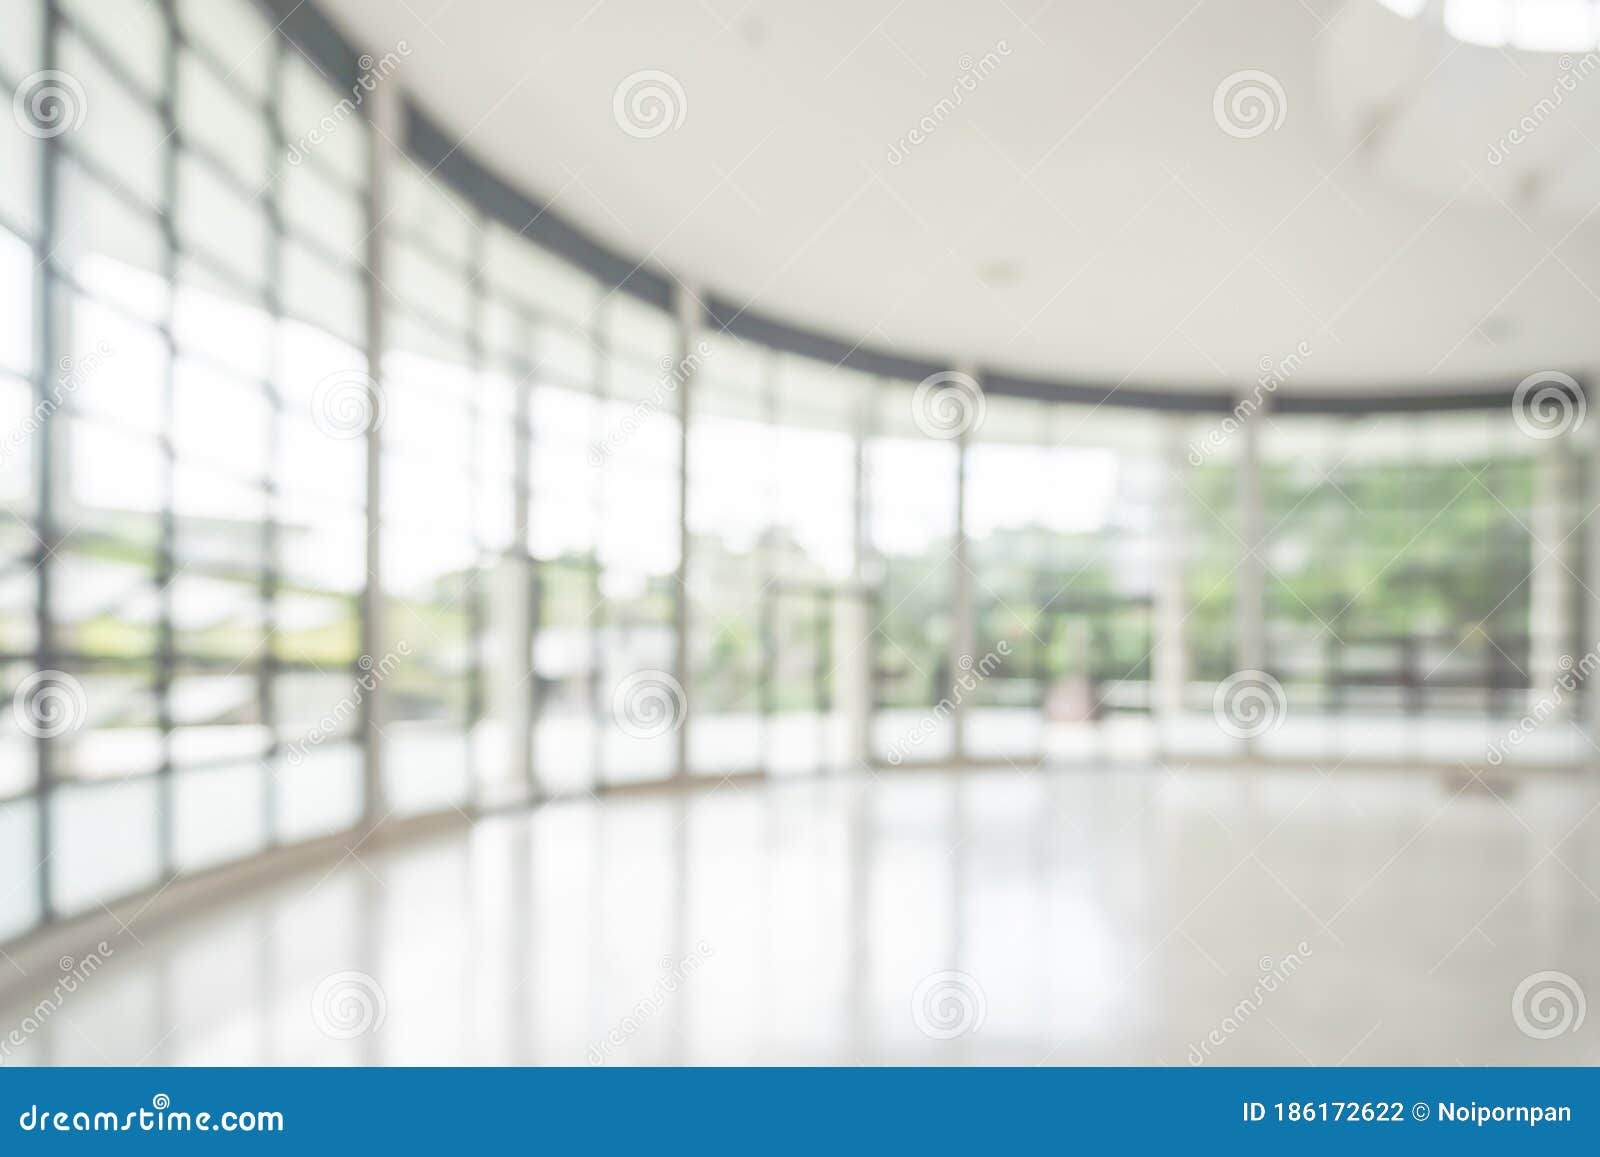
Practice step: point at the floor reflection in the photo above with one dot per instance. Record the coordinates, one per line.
(924, 918)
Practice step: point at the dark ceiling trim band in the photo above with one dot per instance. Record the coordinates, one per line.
(304, 25)
(444, 157)
(1110, 394)
(724, 314)
(727, 315)
(1467, 396)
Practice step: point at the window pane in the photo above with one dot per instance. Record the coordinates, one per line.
(106, 842)
(218, 815)
(19, 866)
(231, 130)
(236, 36)
(730, 515)
(124, 136)
(130, 30)
(911, 503)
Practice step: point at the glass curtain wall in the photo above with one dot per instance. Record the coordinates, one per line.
(516, 391)
(1400, 557)
(175, 289)
(813, 555)
(21, 456)
(731, 516)
(1061, 510)
(1206, 472)
(912, 486)
(638, 541)
(568, 449)
(434, 561)
(773, 524)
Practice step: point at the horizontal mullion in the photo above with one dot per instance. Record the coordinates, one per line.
(113, 64)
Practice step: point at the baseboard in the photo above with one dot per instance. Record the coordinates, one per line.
(37, 955)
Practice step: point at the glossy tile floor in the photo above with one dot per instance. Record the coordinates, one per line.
(1159, 916)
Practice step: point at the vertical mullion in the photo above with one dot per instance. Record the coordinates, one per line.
(476, 616)
(166, 554)
(1168, 641)
(600, 619)
(961, 631)
(821, 665)
(868, 578)
(1250, 585)
(373, 628)
(521, 514)
(45, 341)
(276, 464)
(689, 320)
(768, 609)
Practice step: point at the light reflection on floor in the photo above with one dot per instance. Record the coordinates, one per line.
(1091, 917)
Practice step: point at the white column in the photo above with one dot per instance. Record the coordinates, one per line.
(510, 652)
(1249, 608)
(1170, 661)
(853, 646)
(383, 110)
(517, 591)
(961, 624)
(691, 320)
(1551, 584)
(852, 682)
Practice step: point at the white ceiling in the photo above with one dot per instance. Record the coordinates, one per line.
(1081, 213)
